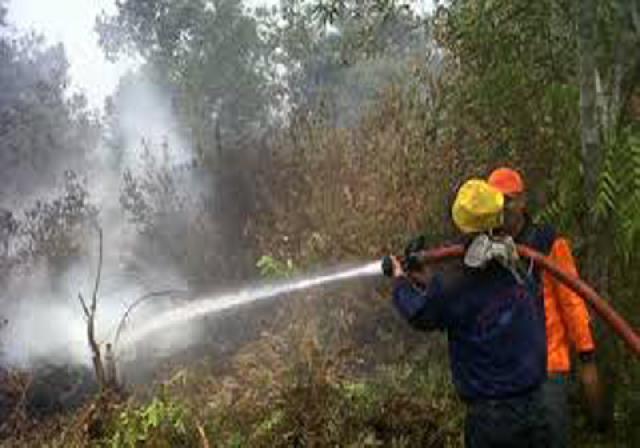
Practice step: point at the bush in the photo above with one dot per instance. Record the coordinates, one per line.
(161, 423)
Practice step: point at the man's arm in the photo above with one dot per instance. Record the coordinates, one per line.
(422, 306)
(572, 307)
(575, 314)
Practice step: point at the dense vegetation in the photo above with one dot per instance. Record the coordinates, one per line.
(322, 133)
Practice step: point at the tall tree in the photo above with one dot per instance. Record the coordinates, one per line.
(212, 53)
(42, 131)
(342, 54)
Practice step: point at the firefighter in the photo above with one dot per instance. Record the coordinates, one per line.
(495, 326)
(568, 324)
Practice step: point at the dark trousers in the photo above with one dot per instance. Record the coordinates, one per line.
(517, 422)
(556, 407)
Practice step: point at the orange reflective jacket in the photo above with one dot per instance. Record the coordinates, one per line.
(568, 319)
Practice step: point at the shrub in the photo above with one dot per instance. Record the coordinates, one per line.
(161, 423)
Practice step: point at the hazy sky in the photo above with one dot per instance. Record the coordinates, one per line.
(71, 22)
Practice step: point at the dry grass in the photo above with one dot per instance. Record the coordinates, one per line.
(294, 386)
(336, 194)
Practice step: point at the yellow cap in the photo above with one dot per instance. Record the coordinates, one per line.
(478, 207)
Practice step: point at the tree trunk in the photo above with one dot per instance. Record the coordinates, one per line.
(591, 147)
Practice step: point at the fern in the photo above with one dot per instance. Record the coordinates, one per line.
(616, 205)
(551, 213)
(568, 202)
(605, 200)
(634, 150)
(617, 202)
(631, 211)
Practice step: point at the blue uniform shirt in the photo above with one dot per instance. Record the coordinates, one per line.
(495, 328)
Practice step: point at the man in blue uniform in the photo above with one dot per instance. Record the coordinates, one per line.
(495, 323)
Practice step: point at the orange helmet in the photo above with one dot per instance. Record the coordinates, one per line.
(507, 181)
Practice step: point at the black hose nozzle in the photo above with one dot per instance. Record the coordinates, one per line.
(387, 266)
(411, 263)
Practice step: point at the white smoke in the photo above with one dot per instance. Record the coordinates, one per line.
(145, 118)
(186, 315)
(45, 319)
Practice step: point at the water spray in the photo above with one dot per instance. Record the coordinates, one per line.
(211, 305)
(216, 304)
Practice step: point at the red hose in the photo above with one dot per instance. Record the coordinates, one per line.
(599, 305)
(620, 326)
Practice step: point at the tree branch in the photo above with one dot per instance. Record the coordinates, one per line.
(94, 297)
(134, 305)
(87, 315)
(91, 318)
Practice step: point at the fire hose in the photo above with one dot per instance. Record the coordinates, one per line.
(616, 322)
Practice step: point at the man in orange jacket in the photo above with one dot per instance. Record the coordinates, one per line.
(567, 317)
